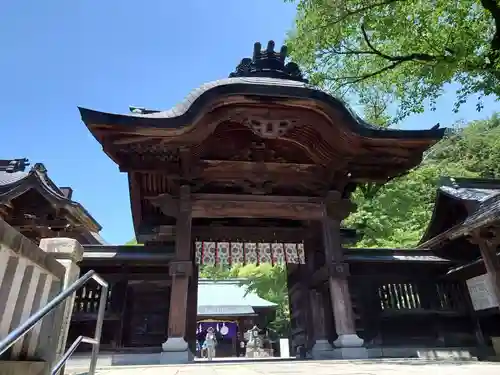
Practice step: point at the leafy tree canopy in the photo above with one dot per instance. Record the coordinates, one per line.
(396, 214)
(405, 49)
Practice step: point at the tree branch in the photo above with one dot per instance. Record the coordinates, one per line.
(412, 56)
(353, 12)
(350, 13)
(357, 79)
(493, 6)
(395, 60)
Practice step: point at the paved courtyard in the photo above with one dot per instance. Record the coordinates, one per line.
(388, 367)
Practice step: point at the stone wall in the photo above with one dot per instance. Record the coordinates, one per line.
(29, 278)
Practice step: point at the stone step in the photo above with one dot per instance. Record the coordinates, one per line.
(23, 368)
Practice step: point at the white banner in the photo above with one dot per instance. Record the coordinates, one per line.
(481, 292)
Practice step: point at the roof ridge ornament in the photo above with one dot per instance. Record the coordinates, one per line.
(39, 167)
(14, 165)
(268, 63)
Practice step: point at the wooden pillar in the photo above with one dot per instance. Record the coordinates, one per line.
(319, 335)
(298, 294)
(337, 278)
(318, 312)
(476, 324)
(488, 243)
(122, 307)
(180, 270)
(337, 209)
(492, 264)
(192, 310)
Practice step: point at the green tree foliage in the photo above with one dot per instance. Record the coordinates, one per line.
(396, 214)
(217, 272)
(475, 148)
(133, 242)
(400, 210)
(405, 49)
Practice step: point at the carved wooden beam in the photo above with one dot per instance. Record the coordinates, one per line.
(249, 206)
(226, 169)
(244, 206)
(232, 234)
(253, 209)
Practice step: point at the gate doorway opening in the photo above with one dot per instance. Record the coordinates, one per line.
(243, 297)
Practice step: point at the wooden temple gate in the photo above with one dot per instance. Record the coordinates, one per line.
(397, 300)
(261, 156)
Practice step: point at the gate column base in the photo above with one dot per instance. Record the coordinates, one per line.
(350, 346)
(348, 341)
(175, 350)
(322, 350)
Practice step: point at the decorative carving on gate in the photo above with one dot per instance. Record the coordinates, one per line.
(269, 128)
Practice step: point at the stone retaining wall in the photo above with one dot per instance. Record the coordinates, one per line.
(30, 277)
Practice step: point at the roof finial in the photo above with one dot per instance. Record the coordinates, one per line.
(283, 53)
(268, 63)
(256, 50)
(270, 46)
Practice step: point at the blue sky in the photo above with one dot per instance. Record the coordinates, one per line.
(107, 55)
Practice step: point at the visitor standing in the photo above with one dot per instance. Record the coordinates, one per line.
(210, 342)
(242, 348)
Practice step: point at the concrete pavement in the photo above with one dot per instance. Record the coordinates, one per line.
(378, 367)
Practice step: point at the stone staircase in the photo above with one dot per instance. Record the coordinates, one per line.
(30, 277)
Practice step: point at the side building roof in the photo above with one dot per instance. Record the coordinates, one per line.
(16, 179)
(462, 205)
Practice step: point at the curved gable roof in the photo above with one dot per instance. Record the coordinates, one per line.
(480, 200)
(14, 183)
(184, 113)
(466, 191)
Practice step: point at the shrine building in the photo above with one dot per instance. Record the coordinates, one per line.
(260, 167)
(36, 207)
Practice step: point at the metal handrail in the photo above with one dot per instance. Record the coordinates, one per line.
(32, 321)
(71, 350)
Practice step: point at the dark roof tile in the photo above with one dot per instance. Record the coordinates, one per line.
(475, 189)
(7, 178)
(183, 113)
(12, 184)
(488, 210)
